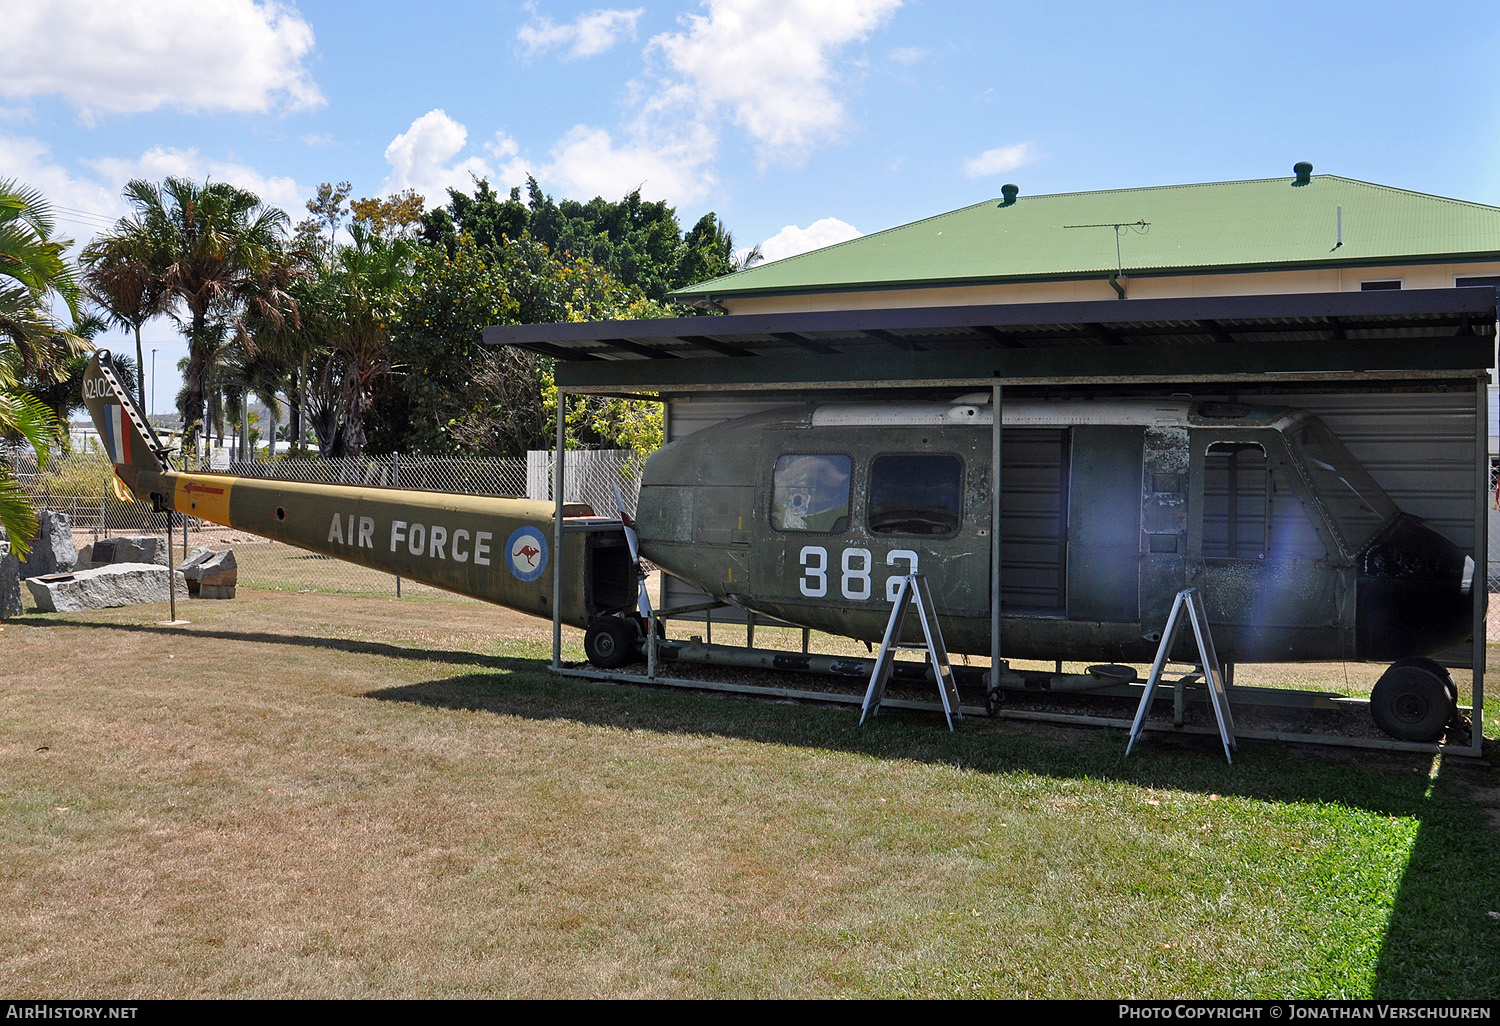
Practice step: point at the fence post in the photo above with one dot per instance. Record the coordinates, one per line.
(396, 483)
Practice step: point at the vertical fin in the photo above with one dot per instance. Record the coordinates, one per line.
(127, 437)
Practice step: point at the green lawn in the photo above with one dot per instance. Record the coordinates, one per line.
(305, 795)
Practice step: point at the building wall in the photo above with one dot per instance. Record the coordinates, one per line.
(1336, 279)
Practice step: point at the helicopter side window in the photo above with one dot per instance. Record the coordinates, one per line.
(1235, 501)
(916, 493)
(810, 492)
(1250, 510)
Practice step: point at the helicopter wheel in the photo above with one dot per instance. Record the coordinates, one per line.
(1414, 700)
(610, 642)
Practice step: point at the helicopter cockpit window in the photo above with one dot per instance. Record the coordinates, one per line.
(1356, 504)
(916, 493)
(810, 492)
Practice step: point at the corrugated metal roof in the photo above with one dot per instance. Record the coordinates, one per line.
(1339, 333)
(1219, 226)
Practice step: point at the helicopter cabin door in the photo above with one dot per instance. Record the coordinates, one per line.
(1104, 528)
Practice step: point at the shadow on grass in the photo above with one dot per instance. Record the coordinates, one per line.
(1438, 943)
(374, 648)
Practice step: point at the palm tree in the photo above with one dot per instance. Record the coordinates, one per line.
(348, 304)
(218, 251)
(370, 276)
(60, 386)
(33, 271)
(119, 277)
(33, 268)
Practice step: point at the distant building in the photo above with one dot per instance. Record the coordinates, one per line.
(1303, 233)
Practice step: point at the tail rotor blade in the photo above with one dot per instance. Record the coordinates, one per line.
(631, 538)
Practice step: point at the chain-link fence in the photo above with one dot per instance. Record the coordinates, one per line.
(80, 485)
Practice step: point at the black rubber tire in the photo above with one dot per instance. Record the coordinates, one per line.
(610, 642)
(1436, 669)
(1413, 702)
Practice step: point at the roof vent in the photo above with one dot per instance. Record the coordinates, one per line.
(1304, 172)
(1009, 192)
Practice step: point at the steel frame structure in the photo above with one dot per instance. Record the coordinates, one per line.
(1346, 341)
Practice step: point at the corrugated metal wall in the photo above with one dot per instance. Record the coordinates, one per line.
(1419, 447)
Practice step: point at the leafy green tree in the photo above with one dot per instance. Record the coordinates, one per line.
(319, 232)
(218, 251)
(457, 396)
(390, 216)
(637, 241)
(33, 271)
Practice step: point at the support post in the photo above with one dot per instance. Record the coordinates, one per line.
(558, 471)
(995, 467)
(172, 568)
(1481, 585)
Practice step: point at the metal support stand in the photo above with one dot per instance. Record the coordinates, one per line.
(1190, 600)
(913, 589)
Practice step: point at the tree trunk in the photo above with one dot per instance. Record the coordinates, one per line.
(140, 374)
(296, 398)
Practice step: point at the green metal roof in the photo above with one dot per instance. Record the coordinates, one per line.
(1270, 224)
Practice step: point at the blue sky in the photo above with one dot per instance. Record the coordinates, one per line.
(799, 122)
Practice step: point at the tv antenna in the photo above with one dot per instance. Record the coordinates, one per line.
(1140, 227)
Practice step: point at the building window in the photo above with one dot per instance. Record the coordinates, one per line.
(1477, 281)
(1380, 285)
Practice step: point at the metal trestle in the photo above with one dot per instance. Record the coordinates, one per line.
(1188, 599)
(913, 590)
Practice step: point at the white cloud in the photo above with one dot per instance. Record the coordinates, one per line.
(585, 162)
(82, 208)
(422, 158)
(1000, 160)
(86, 204)
(770, 63)
(586, 36)
(792, 240)
(908, 54)
(127, 56)
(160, 162)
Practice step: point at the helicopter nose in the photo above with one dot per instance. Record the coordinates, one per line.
(1414, 594)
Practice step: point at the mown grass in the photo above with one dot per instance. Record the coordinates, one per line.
(302, 795)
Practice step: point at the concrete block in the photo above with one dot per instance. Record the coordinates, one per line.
(52, 550)
(210, 574)
(118, 584)
(125, 548)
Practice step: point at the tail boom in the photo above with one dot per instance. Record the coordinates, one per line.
(490, 548)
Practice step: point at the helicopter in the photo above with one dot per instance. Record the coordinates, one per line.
(813, 514)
